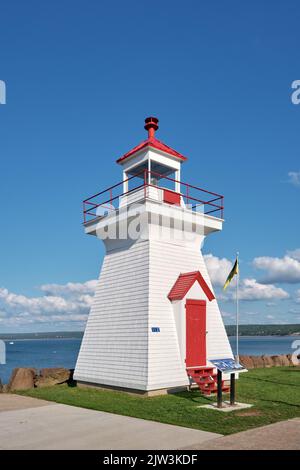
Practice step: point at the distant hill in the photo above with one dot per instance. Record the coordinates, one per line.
(244, 330)
(263, 330)
(43, 335)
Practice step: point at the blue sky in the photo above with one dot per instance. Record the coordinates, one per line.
(82, 76)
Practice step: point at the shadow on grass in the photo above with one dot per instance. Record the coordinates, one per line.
(272, 381)
(192, 397)
(279, 402)
(72, 384)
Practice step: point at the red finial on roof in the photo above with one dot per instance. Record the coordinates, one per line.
(151, 125)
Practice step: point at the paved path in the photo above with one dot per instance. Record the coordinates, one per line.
(10, 402)
(284, 435)
(28, 423)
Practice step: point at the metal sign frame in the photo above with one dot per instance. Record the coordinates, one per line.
(227, 365)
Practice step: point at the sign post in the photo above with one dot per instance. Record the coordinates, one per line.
(232, 389)
(219, 385)
(228, 366)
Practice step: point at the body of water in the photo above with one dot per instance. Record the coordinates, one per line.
(258, 345)
(39, 353)
(63, 352)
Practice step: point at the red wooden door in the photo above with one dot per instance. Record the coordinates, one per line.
(195, 333)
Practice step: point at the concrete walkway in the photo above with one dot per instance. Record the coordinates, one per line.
(284, 435)
(9, 402)
(28, 423)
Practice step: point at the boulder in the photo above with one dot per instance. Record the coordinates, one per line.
(247, 362)
(267, 361)
(276, 361)
(289, 357)
(284, 360)
(22, 378)
(258, 361)
(52, 376)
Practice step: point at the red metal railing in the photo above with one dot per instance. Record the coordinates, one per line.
(98, 205)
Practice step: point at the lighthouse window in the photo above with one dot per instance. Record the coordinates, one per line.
(160, 175)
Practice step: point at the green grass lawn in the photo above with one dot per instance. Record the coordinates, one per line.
(275, 394)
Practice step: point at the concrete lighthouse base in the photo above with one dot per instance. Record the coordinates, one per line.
(132, 391)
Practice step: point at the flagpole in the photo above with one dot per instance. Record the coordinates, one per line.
(237, 309)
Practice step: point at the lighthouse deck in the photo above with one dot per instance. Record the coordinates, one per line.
(153, 186)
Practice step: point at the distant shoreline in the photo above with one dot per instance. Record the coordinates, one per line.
(244, 330)
(42, 335)
(264, 330)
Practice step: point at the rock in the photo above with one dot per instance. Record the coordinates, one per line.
(284, 360)
(247, 362)
(279, 360)
(22, 378)
(289, 357)
(1, 387)
(276, 361)
(267, 361)
(52, 376)
(258, 361)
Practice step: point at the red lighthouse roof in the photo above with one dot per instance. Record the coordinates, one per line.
(151, 125)
(183, 284)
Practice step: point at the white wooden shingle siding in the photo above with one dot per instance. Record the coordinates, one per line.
(139, 194)
(166, 365)
(114, 349)
(119, 347)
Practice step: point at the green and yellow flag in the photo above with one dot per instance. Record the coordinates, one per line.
(232, 273)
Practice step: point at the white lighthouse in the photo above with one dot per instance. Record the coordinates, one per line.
(155, 324)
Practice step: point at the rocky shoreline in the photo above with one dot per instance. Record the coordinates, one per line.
(279, 360)
(23, 378)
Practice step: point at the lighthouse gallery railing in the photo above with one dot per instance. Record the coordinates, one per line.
(193, 197)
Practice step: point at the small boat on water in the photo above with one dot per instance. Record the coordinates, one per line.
(11, 342)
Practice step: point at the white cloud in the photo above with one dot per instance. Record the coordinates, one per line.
(218, 269)
(294, 178)
(250, 289)
(14, 303)
(286, 269)
(69, 289)
(62, 303)
(294, 254)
